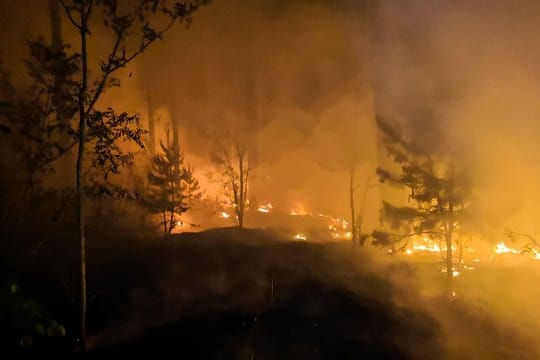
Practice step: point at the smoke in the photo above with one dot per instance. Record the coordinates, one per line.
(303, 81)
(298, 75)
(463, 76)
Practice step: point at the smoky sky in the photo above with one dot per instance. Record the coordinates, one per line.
(306, 78)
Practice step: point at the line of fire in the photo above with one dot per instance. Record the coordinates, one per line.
(270, 179)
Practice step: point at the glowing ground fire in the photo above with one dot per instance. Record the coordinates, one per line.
(339, 229)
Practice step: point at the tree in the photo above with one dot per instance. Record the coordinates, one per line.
(343, 127)
(133, 31)
(235, 163)
(233, 152)
(171, 185)
(39, 116)
(438, 195)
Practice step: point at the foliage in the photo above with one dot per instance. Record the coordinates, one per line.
(132, 32)
(25, 323)
(438, 192)
(106, 129)
(42, 125)
(40, 115)
(171, 185)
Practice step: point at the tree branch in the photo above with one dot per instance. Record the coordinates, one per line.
(111, 67)
(68, 13)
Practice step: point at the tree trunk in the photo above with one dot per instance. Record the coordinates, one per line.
(56, 25)
(165, 223)
(151, 126)
(242, 196)
(449, 263)
(171, 217)
(354, 236)
(449, 238)
(174, 125)
(79, 173)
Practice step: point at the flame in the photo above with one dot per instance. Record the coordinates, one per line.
(426, 245)
(300, 236)
(455, 273)
(265, 208)
(501, 248)
(298, 211)
(224, 215)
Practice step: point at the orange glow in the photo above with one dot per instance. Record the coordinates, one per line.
(501, 248)
(265, 208)
(298, 212)
(426, 244)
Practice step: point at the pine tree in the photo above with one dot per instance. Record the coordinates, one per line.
(438, 194)
(171, 185)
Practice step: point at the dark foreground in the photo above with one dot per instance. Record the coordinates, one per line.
(231, 294)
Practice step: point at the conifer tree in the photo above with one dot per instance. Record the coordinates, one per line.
(438, 195)
(171, 185)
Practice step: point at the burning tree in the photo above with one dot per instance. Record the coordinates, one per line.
(171, 185)
(438, 194)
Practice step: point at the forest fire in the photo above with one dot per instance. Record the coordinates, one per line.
(426, 244)
(501, 248)
(265, 208)
(298, 210)
(194, 177)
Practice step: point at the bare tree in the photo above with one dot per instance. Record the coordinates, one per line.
(233, 159)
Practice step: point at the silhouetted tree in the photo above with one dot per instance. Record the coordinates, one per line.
(438, 194)
(530, 244)
(235, 164)
(40, 115)
(171, 185)
(133, 29)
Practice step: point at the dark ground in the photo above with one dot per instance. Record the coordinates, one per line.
(236, 294)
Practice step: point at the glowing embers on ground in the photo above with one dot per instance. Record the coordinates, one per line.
(265, 208)
(501, 248)
(455, 272)
(435, 248)
(224, 215)
(528, 251)
(425, 244)
(339, 229)
(298, 210)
